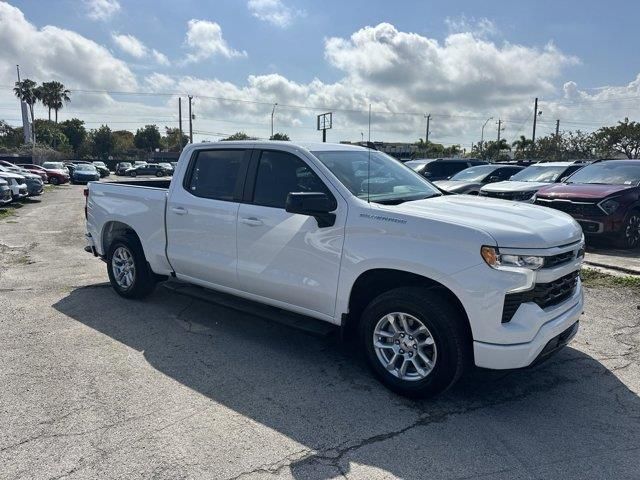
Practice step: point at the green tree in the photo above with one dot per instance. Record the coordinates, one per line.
(495, 150)
(578, 145)
(102, 142)
(123, 143)
(9, 135)
(147, 138)
(53, 95)
(172, 140)
(521, 146)
(75, 132)
(50, 135)
(27, 91)
(280, 136)
(622, 138)
(238, 136)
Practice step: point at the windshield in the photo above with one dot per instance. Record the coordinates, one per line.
(608, 173)
(85, 168)
(383, 180)
(474, 174)
(53, 165)
(99, 164)
(539, 173)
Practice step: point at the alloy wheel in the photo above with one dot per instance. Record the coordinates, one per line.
(123, 267)
(404, 346)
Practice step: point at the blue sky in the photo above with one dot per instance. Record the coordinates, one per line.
(579, 56)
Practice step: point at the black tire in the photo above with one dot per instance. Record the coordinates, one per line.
(54, 180)
(144, 280)
(133, 174)
(629, 236)
(447, 328)
(159, 174)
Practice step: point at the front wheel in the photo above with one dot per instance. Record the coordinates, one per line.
(133, 174)
(129, 272)
(159, 174)
(53, 180)
(629, 236)
(414, 341)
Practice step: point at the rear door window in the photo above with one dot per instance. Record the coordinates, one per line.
(217, 174)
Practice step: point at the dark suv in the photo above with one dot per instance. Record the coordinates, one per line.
(442, 168)
(604, 198)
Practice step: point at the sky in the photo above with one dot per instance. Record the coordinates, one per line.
(462, 62)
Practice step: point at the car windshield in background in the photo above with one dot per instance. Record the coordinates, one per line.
(53, 165)
(82, 167)
(608, 173)
(382, 180)
(539, 173)
(474, 174)
(100, 164)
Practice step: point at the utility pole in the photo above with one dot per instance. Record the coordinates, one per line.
(273, 111)
(190, 121)
(557, 129)
(426, 136)
(535, 119)
(499, 127)
(180, 119)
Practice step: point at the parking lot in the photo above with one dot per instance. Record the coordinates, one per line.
(94, 386)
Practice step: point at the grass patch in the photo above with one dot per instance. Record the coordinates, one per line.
(6, 213)
(595, 278)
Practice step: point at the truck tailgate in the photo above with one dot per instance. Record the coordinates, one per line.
(141, 208)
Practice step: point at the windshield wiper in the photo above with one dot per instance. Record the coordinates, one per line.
(398, 201)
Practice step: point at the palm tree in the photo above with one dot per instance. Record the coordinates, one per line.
(28, 92)
(54, 96)
(521, 144)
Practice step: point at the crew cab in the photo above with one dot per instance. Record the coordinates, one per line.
(424, 284)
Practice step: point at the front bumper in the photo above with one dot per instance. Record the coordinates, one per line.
(35, 189)
(555, 321)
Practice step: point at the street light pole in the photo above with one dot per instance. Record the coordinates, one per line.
(426, 136)
(482, 134)
(272, 114)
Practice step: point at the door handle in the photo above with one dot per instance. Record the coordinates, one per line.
(252, 221)
(179, 210)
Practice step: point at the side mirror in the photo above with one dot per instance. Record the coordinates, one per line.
(313, 204)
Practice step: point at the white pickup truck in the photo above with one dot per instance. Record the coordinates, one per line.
(428, 283)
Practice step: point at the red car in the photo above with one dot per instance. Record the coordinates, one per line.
(56, 176)
(604, 198)
(31, 168)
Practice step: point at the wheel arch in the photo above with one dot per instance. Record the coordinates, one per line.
(114, 229)
(373, 282)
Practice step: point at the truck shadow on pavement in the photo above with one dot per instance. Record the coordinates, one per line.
(568, 418)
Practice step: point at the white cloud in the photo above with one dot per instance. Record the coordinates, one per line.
(482, 27)
(205, 40)
(102, 9)
(159, 82)
(274, 12)
(57, 54)
(134, 47)
(130, 44)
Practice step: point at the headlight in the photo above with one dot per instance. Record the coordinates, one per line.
(609, 206)
(524, 195)
(496, 260)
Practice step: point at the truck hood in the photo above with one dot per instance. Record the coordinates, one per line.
(581, 190)
(511, 224)
(509, 186)
(455, 185)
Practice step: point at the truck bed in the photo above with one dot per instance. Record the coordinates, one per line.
(145, 182)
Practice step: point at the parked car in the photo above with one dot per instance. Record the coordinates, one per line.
(5, 192)
(122, 167)
(58, 166)
(425, 284)
(21, 168)
(523, 186)
(139, 163)
(35, 185)
(147, 169)
(102, 169)
(55, 176)
(41, 172)
(84, 173)
(442, 168)
(167, 167)
(471, 180)
(16, 184)
(604, 198)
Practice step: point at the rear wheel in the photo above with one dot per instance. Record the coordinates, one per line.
(129, 272)
(414, 341)
(53, 180)
(629, 236)
(159, 174)
(133, 174)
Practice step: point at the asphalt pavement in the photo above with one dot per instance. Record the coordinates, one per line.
(96, 386)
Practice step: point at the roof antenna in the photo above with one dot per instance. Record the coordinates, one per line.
(369, 161)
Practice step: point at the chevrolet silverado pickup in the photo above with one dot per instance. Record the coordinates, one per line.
(426, 285)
